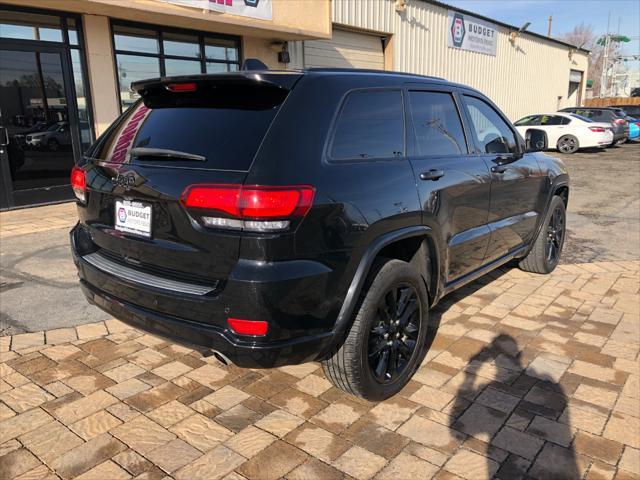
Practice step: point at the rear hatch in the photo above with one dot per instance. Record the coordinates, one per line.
(203, 129)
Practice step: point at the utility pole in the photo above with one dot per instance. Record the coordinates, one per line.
(550, 23)
(603, 76)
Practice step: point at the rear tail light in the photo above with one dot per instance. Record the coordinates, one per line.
(248, 327)
(79, 183)
(253, 208)
(598, 129)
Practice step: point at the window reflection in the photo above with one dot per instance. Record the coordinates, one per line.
(30, 26)
(181, 45)
(181, 67)
(135, 39)
(132, 68)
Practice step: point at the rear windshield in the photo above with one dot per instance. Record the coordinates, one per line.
(220, 128)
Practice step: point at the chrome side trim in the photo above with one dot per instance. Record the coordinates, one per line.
(135, 276)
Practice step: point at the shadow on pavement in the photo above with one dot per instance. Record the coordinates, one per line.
(489, 414)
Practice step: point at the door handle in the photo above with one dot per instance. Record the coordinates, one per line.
(432, 175)
(4, 137)
(499, 169)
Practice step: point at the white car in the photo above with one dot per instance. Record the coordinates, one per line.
(567, 132)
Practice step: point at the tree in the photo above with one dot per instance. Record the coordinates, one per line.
(583, 36)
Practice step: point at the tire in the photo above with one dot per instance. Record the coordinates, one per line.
(568, 144)
(53, 145)
(553, 231)
(352, 367)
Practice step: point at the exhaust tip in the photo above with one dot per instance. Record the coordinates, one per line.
(221, 357)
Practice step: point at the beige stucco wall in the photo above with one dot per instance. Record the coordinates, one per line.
(292, 19)
(523, 78)
(101, 70)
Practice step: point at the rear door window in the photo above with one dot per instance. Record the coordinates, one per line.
(226, 128)
(370, 125)
(436, 123)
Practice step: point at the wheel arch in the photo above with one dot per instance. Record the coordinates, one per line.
(414, 245)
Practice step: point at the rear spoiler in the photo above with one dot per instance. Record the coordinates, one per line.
(280, 80)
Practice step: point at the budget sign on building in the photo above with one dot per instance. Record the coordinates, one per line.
(470, 33)
(247, 8)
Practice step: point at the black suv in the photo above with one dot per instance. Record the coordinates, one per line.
(613, 115)
(284, 217)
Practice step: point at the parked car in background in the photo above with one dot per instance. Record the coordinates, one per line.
(52, 138)
(568, 132)
(294, 230)
(632, 110)
(634, 128)
(605, 115)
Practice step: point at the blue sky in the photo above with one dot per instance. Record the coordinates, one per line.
(566, 14)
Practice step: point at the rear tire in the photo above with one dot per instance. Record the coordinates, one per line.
(546, 251)
(568, 144)
(358, 366)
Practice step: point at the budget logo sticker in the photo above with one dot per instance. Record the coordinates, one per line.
(457, 30)
(122, 214)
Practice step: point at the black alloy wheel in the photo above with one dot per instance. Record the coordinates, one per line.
(555, 235)
(394, 333)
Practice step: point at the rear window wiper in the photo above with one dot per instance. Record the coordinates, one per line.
(163, 153)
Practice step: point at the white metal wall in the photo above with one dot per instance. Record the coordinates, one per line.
(524, 78)
(346, 49)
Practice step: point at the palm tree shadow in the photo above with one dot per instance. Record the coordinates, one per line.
(518, 414)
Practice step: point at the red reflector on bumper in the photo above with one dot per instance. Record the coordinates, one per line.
(248, 327)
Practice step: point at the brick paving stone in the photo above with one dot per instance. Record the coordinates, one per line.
(213, 465)
(520, 443)
(431, 434)
(170, 413)
(25, 397)
(26, 340)
(313, 468)
(50, 441)
(95, 424)
(555, 461)
(337, 416)
(226, 397)
(86, 456)
(91, 330)
(624, 429)
(124, 372)
(236, 418)
(407, 466)
(171, 370)
(16, 463)
(250, 441)
(317, 442)
(359, 463)
(173, 455)
(153, 398)
(128, 388)
(142, 434)
(375, 438)
(480, 421)
(84, 407)
(132, 462)
(630, 460)
(550, 430)
(471, 466)
(490, 397)
(584, 419)
(23, 423)
(201, 432)
(597, 447)
(279, 422)
(313, 385)
(106, 470)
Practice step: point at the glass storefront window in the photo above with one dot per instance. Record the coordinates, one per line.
(30, 26)
(72, 31)
(132, 68)
(135, 39)
(181, 45)
(81, 98)
(173, 66)
(221, 50)
(139, 57)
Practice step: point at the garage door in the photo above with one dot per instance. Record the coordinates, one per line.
(345, 50)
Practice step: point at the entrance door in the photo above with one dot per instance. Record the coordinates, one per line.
(39, 131)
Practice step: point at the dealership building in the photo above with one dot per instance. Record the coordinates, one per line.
(65, 70)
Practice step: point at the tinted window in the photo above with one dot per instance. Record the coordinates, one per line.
(371, 125)
(565, 121)
(549, 120)
(226, 129)
(580, 117)
(437, 124)
(491, 131)
(530, 120)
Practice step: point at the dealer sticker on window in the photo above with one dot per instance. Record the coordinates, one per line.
(133, 217)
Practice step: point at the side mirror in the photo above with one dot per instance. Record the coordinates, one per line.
(536, 140)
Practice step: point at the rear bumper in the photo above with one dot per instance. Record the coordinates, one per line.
(296, 335)
(246, 355)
